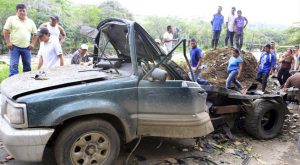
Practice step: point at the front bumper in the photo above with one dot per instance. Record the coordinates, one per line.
(24, 144)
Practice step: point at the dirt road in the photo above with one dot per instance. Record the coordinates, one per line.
(159, 151)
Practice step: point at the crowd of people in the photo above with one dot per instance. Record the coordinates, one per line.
(235, 25)
(21, 35)
(267, 65)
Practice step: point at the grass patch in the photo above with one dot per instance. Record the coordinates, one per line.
(4, 71)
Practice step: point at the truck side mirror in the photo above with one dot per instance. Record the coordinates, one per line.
(159, 75)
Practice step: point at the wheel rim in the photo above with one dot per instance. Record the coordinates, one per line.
(268, 120)
(92, 148)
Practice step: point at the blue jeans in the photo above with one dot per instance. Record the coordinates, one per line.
(196, 74)
(15, 54)
(232, 78)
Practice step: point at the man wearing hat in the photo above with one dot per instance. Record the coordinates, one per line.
(81, 56)
(50, 51)
(55, 29)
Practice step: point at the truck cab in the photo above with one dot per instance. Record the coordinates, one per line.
(86, 112)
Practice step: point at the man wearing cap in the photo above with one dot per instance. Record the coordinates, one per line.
(81, 56)
(50, 51)
(55, 29)
(17, 32)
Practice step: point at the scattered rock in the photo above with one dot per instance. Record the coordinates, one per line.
(224, 162)
(229, 151)
(237, 143)
(171, 160)
(293, 126)
(9, 157)
(217, 146)
(185, 150)
(249, 148)
(260, 162)
(197, 147)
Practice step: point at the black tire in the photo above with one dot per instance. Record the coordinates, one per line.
(79, 131)
(266, 120)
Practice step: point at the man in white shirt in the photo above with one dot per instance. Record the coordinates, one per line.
(56, 31)
(168, 38)
(161, 46)
(230, 28)
(50, 51)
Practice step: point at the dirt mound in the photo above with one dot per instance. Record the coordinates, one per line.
(217, 74)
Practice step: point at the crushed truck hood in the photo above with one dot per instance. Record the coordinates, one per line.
(24, 83)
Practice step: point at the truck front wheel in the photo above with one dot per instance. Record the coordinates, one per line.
(87, 142)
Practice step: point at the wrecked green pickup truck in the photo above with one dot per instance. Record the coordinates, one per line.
(85, 113)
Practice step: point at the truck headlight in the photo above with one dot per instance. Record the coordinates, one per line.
(14, 113)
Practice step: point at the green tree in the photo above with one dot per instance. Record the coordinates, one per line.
(293, 34)
(113, 9)
(7, 8)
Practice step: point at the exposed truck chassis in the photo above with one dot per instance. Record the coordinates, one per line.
(262, 116)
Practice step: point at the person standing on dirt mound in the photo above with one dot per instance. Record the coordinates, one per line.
(286, 61)
(240, 25)
(196, 59)
(216, 23)
(235, 67)
(230, 28)
(266, 63)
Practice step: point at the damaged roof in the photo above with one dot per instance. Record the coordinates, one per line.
(118, 33)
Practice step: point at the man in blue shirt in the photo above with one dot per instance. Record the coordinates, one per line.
(266, 63)
(216, 23)
(196, 59)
